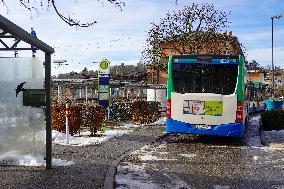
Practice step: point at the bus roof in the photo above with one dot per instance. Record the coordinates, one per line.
(205, 59)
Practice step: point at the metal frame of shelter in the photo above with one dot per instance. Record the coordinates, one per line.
(10, 30)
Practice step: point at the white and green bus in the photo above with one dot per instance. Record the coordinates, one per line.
(205, 95)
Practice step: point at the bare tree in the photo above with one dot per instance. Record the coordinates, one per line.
(253, 65)
(30, 6)
(192, 30)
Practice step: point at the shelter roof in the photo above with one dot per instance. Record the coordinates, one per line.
(9, 27)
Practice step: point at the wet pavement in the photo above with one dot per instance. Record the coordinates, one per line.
(184, 161)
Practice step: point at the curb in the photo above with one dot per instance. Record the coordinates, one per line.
(262, 135)
(262, 138)
(111, 172)
(244, 139)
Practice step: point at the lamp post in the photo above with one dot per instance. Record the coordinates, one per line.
(60, 63)
(273, 17)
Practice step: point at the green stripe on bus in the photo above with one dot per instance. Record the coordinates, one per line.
(170, 79)
(240, 81)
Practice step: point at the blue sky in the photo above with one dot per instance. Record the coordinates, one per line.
(120, 35)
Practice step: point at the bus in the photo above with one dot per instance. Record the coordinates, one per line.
(205, 95)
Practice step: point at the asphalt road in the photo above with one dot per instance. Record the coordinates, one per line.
(183, 161)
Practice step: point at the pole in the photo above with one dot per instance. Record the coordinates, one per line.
(67, 127)
(48, 117)
(272, 56)
(86, 93)
(58, 92)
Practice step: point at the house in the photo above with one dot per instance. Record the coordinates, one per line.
(278, 78)
(255, 75)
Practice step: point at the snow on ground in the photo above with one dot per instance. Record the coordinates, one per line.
(84, 138)
(188, 155)
(274, 138)
(255, 158)
(135, 175)
(255, 118)
(17, 158)
(273, 132)
(221, 187)
(128, 126)
(161, 121)
(149, 157)
(254, 139)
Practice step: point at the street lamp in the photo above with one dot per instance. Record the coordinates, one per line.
(273, 17)
(60, 63)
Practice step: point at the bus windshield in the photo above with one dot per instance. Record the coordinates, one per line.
(204, 78)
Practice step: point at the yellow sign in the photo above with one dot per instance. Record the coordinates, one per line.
(104, 64)
(214, 108)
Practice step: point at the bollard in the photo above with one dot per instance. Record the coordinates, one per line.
(67, 127)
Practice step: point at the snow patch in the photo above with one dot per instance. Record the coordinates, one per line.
(188, 155)
(278, 186)
(163, 145)
(267, 148)
(255, 118)
(221, 187)
(135, 176)
(129, 126)
(163, 153)
(141, 150)
(16, 158)
(84, 139)
(274, 132)
(148, 157)
(161, 121)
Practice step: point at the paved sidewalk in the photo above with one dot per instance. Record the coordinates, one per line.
(253, 136)
(91, 163)
(273, 139)
(257, 137)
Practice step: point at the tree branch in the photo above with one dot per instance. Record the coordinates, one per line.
(67, 20)
(70, 21)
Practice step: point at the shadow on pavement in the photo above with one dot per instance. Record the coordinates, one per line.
(212, 140)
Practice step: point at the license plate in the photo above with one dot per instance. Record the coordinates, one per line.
(203, 126)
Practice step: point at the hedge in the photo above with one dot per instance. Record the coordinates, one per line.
(86, 115)
(94, 116)
(272, 120)
(145, 112)
(139, 111)
(120, 109)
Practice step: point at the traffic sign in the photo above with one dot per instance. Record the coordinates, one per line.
(104, 64)
(104, 67)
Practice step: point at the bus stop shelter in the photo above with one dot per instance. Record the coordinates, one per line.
(10, 30)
